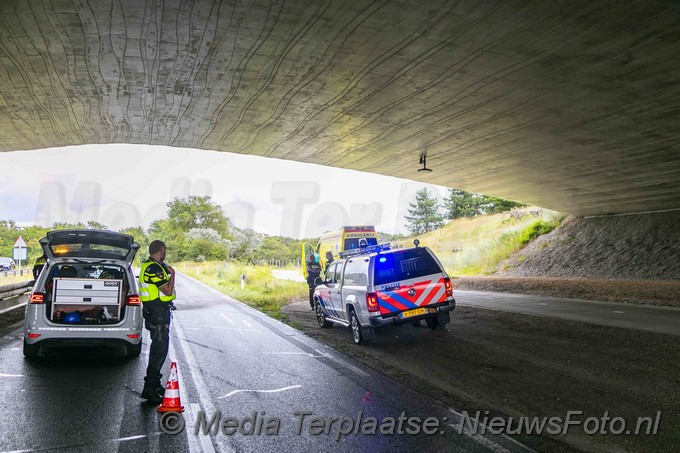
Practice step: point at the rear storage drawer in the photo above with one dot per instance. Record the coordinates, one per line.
(94, 300)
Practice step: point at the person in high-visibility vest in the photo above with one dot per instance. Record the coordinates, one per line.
(156, 291)
(38, 265)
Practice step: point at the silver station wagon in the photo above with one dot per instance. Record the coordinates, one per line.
(86, 294)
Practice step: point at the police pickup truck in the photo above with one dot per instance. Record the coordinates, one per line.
(375, 286)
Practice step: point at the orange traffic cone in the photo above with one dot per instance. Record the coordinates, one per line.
(171, 401)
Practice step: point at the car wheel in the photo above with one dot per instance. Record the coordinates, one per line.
(356, 328)
(31, 350)
(320, 316)
(432, 322)
(133, 350)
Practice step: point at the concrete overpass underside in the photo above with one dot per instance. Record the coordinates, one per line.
(572, 106)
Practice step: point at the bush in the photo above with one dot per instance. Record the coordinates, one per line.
(537, 229)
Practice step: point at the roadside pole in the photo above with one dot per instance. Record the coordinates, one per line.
(19, 251)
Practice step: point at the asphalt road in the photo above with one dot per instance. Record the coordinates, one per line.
(613, 314)
(232, 359)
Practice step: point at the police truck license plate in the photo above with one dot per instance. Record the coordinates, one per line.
(410, 313)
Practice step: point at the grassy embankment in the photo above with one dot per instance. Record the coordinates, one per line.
(263, 291)
(477, 246)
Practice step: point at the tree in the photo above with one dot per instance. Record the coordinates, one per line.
(424, 213)
(204, 244)
(142, 239)
(271, 249)
(460, 203)
(495, 205)
(94, 225)
(244, 243)
(197, 212)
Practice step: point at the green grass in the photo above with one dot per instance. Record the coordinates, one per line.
(263, 291)
(477, 246)
(9, 279)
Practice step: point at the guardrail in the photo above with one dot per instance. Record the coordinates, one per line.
(15, 272)
(12, 296)
(276, 263)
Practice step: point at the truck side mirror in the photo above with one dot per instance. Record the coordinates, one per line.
(31, 283)
(317, 281)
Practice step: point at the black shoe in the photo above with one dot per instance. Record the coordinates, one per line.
(153, 395)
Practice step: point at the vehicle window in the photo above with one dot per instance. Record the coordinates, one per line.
(80, 270)
(403, 265)
(330, 273)
(338, 272)
(356, 272)
(353, 243)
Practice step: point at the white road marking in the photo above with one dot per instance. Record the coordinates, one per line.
(234, 392)
(203, 395)
(491, 445)
(309, 354)
(542, 303)
(203, 439)
(123, 439)
(616, 311)
(11, 375)
(223, 328)
(247, 323)
(227, 318)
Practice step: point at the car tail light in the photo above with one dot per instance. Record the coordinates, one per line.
(133, 299)
(33, 335)
(37, 298)
(449, 286)
(133, 335)
(372, 302)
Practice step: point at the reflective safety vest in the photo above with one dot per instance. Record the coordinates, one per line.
(148, 291)
(313, 268)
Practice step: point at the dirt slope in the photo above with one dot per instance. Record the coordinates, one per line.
(622, 247)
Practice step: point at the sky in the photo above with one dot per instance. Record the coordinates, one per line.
(129, 185)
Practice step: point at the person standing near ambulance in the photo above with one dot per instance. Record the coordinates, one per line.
(156, 291)
(313, 272)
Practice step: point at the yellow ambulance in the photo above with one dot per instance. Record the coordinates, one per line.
(346, 238)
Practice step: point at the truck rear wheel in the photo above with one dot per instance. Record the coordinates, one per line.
(354, 324)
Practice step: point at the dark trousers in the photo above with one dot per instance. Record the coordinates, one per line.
(157, 322)
(312, 287)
